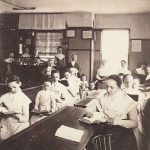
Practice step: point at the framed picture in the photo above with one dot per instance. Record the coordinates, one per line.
(136, 46)
(28, 41)
(87, 34)
(70, 33)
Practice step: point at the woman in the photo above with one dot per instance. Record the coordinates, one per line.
(73, 64)
(60, 60)
(61, 92)
(47, 72)
(131, 88)
(44, 102)
(15, 103)
(102, 73)
(119, 110)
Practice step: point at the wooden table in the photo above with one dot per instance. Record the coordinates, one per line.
(88, 101)
(40, 136)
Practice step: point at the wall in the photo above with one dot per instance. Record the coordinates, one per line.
(139, 26)
(137, 23)
(8, 37)
(82, 48)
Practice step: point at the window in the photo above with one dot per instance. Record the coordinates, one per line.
(47, 43)
(115, 47)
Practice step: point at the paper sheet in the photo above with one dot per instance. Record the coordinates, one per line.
(69, 133)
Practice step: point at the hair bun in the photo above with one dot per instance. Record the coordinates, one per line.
(13, 78)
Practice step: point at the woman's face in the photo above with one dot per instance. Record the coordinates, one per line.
(67, 75)
(128, 82)
(47, 85)
(14, 86)
(92, 86)
(112, 87)
(59, 51)
(136, 83)
(56, 77)
(83, 78)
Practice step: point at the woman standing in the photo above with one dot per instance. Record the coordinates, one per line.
(120, 111)
(60, 60)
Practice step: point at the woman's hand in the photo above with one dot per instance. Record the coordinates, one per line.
(89, 114)
(111, 121)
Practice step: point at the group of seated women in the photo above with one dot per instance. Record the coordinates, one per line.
(121, 111)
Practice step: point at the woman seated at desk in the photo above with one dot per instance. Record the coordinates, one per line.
(118, 109)
(123, 68)
(60, 91)
(72, 86)
(15, 109)
(44, 103)
(131, 88)
(141, 72)
(102, 73)
(47, 71)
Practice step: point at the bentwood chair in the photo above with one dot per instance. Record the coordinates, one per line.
(102, 142)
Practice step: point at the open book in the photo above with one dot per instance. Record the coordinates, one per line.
(134, 97)
(96, 118)
(8, 113)
(69, 133)
(37, 112)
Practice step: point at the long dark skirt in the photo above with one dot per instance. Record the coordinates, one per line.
(121, 139)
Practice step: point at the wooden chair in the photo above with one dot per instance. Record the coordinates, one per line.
(102, 142)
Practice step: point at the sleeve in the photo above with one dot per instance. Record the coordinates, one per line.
(25, 110)
(97, 75)
(2, 99)
(52, 103)
(37, 99)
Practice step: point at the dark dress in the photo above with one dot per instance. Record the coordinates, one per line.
(121, 139)
(146, 125)
(75, 66)
(60, 65)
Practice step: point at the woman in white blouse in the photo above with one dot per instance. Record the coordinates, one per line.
(16, 103)
(119, 110)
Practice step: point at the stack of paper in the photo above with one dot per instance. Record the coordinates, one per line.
(69, 133)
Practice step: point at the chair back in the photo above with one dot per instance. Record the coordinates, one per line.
(102, 142)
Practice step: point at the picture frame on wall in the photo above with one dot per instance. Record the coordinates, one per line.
(87, 34)
(70, 33)
(136, 46)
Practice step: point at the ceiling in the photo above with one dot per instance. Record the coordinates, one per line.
(95, 6)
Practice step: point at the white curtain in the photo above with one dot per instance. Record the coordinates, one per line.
(42, 21)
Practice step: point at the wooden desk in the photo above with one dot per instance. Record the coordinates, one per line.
(40, 136)
(83, 102)
(86, 102)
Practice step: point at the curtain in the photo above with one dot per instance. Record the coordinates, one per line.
(47, 42)
(26, 21)
(42, 21)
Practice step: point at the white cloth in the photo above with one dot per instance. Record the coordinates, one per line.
(17, 102)
(140, 71)
(60, 56)
(62, 93)
(124, 70)
(103, 71)
(73, 63)
(116, 106)
(45, 100)
(9, 60)
(25, 55)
